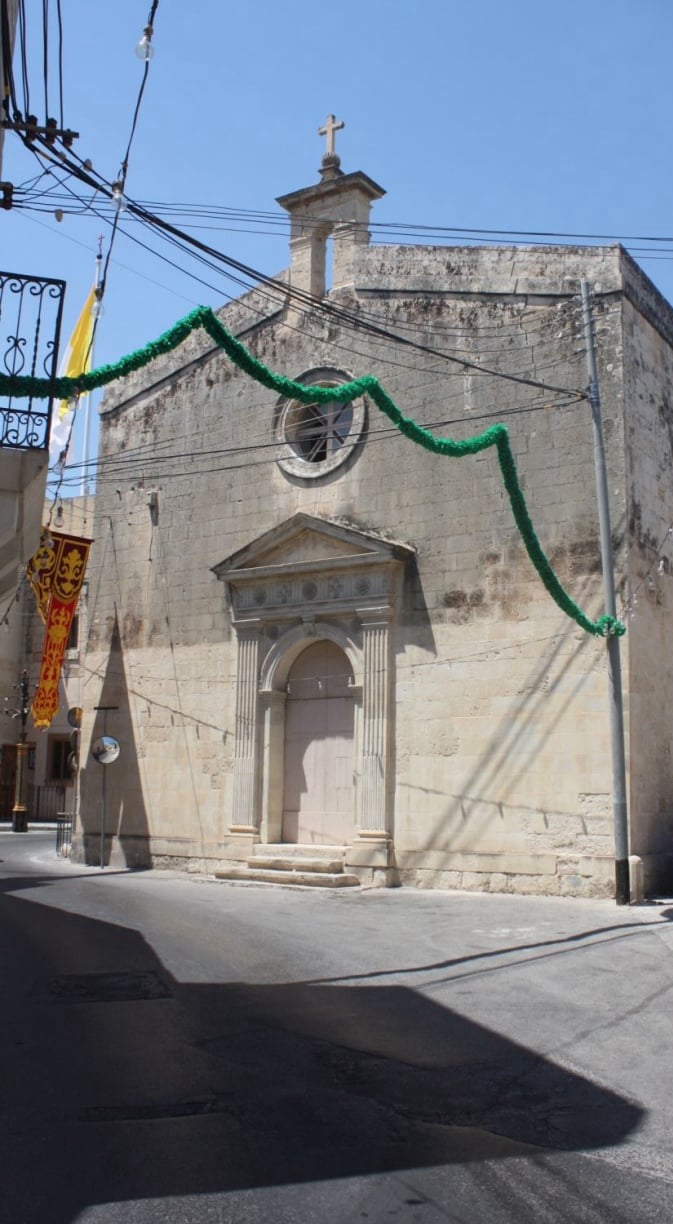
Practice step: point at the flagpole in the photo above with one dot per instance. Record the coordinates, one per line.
(85, 486)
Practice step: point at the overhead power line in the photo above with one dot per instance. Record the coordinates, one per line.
(213, 212)
(101, 282)
(110, 468)
(340, 313)
(246, 276)
(249, 277)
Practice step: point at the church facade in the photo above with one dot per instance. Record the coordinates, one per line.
(316, 640)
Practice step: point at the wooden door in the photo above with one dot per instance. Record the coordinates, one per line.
(318, 805)
(7, 780)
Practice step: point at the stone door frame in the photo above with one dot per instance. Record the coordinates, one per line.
(274, 674)
(307, 579)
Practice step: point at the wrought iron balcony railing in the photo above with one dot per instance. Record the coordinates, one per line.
(31, 309)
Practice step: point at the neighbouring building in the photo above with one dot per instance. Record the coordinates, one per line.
(30, 325)
(51, 785)
(317, 642)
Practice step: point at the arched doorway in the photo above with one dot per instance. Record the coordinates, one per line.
(318, 787)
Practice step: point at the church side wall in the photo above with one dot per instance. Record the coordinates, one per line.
(648, 362)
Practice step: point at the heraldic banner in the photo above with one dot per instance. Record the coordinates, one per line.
(55, 573)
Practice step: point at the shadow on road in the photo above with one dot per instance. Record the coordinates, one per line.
(121, 1083)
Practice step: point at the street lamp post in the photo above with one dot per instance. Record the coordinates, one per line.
(20, 808)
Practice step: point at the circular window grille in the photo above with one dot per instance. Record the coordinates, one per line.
(315, 432)
(316, 438)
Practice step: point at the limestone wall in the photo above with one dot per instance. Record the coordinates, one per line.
(501, 751)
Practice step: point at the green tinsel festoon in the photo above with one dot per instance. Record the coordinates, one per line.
(68, 388)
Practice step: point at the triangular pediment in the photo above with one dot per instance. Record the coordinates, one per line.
(305, 540)
(307, 545)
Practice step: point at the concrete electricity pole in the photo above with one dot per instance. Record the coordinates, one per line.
(622, 885)
(20, 808)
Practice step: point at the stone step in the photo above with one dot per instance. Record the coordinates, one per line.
(285, 862)
(298, 850)
(307, 879)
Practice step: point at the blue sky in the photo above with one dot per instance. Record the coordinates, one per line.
(507, 117)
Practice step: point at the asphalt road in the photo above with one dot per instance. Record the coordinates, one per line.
(177, 1049)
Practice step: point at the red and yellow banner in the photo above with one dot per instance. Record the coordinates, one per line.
(56, 573)
(40, 569)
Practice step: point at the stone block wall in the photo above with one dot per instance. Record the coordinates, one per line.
(501, 752)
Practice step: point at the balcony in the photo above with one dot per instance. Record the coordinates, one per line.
(31, 309)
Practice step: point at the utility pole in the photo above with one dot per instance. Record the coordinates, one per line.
(20, 808)
(105, 750)
(621, 827)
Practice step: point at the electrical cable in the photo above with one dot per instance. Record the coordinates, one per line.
(117, 262)
(459, 361)
(125, 160)
(59, 21)
(413, 237)
(6, 61)
(214, 211)
(420, 230)
(344, 316)
(21, 21)
(329, 308)
(45, 55)
(142, 453)
(101, 286)
(109, 471)
(360, 324)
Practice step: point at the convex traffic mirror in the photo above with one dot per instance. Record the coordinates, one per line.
(105, 749)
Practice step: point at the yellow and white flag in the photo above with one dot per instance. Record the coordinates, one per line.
(76, 360)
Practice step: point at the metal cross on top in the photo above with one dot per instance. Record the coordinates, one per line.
(331, 126)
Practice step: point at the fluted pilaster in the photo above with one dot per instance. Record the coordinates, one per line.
(375, 730)
(245, 816)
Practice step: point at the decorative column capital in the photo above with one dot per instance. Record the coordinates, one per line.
(249, 629)
(372, 618)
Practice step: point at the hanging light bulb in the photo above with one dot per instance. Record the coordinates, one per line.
(144, 49)
(118, 196)
(97, 306)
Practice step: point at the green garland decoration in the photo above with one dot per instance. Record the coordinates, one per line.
(26, 386)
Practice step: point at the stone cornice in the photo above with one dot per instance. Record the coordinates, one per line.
(334, 582)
